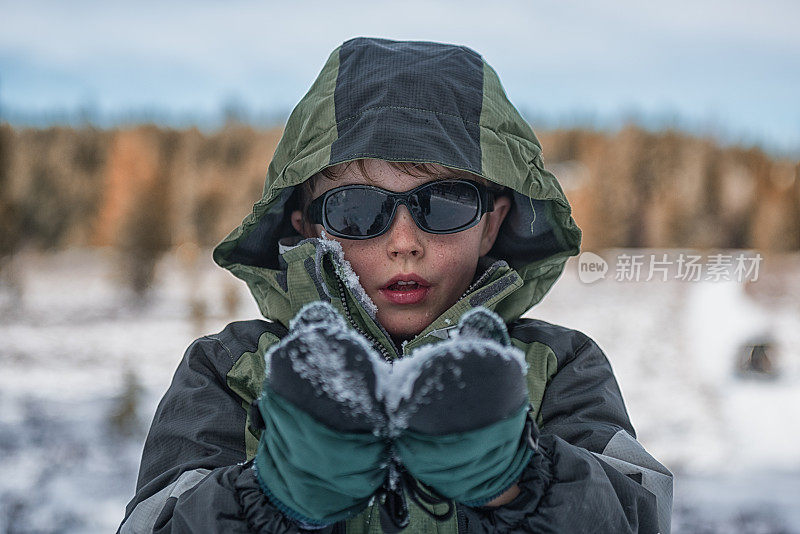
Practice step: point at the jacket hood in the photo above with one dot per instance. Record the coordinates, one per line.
(412, 102)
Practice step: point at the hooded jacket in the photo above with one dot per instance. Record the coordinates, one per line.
(411, 102)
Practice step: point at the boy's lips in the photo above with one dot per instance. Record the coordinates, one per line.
(405, 289)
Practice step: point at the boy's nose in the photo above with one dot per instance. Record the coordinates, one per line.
(404, 235)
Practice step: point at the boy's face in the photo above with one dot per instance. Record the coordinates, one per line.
(443, 265)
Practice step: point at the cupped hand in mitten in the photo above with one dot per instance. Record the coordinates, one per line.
(462, 417)
(321, 456)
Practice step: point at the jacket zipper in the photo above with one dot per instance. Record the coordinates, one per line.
(461, 520)
(369, 337)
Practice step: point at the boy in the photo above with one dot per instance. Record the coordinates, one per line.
(407, 198)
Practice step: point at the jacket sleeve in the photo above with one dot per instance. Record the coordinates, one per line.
(193, 476)
(589, 474)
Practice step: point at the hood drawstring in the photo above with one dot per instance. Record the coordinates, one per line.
(419, 492)
(393, 506)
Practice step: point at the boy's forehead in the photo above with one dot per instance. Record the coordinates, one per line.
(382, 174)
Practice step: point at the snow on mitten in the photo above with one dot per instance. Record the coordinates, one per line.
(321, 456)
(465, 417)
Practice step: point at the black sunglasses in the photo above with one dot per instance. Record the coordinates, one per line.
(360, 211)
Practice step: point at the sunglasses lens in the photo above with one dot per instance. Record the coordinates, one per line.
(358, 212)
(447, 206)
(364, 212)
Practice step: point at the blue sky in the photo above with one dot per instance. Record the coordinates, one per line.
(730, 68)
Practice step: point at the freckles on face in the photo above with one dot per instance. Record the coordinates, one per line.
(445, 264)
(411, 275)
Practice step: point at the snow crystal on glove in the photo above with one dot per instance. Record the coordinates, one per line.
(317, 313)
(396, 384)
(319, 356)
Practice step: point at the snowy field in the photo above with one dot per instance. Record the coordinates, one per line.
(83, 367)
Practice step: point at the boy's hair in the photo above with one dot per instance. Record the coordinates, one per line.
(305, 191)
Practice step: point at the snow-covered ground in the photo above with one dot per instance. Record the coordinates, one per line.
(83, 368)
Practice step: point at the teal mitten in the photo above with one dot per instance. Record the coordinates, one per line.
(321, 456)
(465, 418)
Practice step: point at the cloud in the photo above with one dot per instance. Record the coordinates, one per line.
(693, 57)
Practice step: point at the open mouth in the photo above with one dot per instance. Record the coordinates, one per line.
(406, 289)
(402, 285)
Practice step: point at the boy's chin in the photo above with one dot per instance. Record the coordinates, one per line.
(404, 326)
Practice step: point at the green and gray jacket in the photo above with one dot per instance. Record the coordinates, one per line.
(418, 102)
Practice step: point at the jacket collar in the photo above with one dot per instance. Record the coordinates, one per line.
(315, 269)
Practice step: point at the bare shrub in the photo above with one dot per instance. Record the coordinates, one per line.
(145, 237)
(206, 217)
(11, 234)
(11, 230)
(57, 179)
(146, 231)
(124, 417)
(198, 312)
(232, 299)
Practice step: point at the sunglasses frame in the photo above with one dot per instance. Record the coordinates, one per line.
(317, 212)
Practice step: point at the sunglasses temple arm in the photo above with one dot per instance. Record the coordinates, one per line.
(489, 200)
(315, 212)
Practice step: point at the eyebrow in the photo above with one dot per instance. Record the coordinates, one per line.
(447, 175)
(466, 175)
